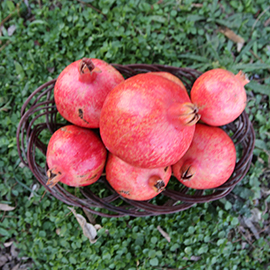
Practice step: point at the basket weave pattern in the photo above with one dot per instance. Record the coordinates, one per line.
(39, 113)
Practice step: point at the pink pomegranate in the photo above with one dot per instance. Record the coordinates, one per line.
(171, 77)
(75, 156)
(210, 160)
(148, 121)
(135, 183)
(220, 96)
(81, 89)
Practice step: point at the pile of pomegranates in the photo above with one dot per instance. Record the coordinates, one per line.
(141, 130)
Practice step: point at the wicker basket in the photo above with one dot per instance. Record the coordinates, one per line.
(39, 114)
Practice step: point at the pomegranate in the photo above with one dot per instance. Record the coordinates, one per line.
(81, 89)
(135, 183)
(171, 77)
(210, 160)
(75, 156)
(148, 121)
(220, 96)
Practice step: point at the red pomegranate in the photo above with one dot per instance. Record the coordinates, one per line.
(210, 160)
(75, 156)
(220, 96)
(81, 88)
(171, 77)
(135, 183)
(148, 121)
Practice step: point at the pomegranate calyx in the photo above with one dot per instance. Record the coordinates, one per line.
(87, 66)
(54, 176)
(157, 183)
(160, 185)
(242, 77)
(186, 114)
(187, 172)
(192, 115)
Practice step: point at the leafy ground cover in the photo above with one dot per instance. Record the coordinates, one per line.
(39, 38)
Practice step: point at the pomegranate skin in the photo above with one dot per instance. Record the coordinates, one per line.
(80, 92)
(210, 160)
(135, 183)
(135, 124)
(75, 156)
(220, 96)
(171, 77)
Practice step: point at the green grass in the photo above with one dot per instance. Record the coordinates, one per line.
(173, 32)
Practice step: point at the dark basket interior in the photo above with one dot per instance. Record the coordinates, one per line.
(39, 114)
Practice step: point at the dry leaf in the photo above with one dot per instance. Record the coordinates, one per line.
(27, 266)
(232, 36)
(6, 207)
(8, 244)
(193, 258)
(243, 245)
(3, 260)
(90, 216)
(251, 226)
(51, 69)
(11, 30)
(34, 188)
(88, 229)
(16, 267)
(24, 258)
(256, 215)
(197, 5)
(97, 227)
(14, 251)
(265, 191)
(21, 165)
(164, 234)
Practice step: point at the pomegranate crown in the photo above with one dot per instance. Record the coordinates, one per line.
(87, 66)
